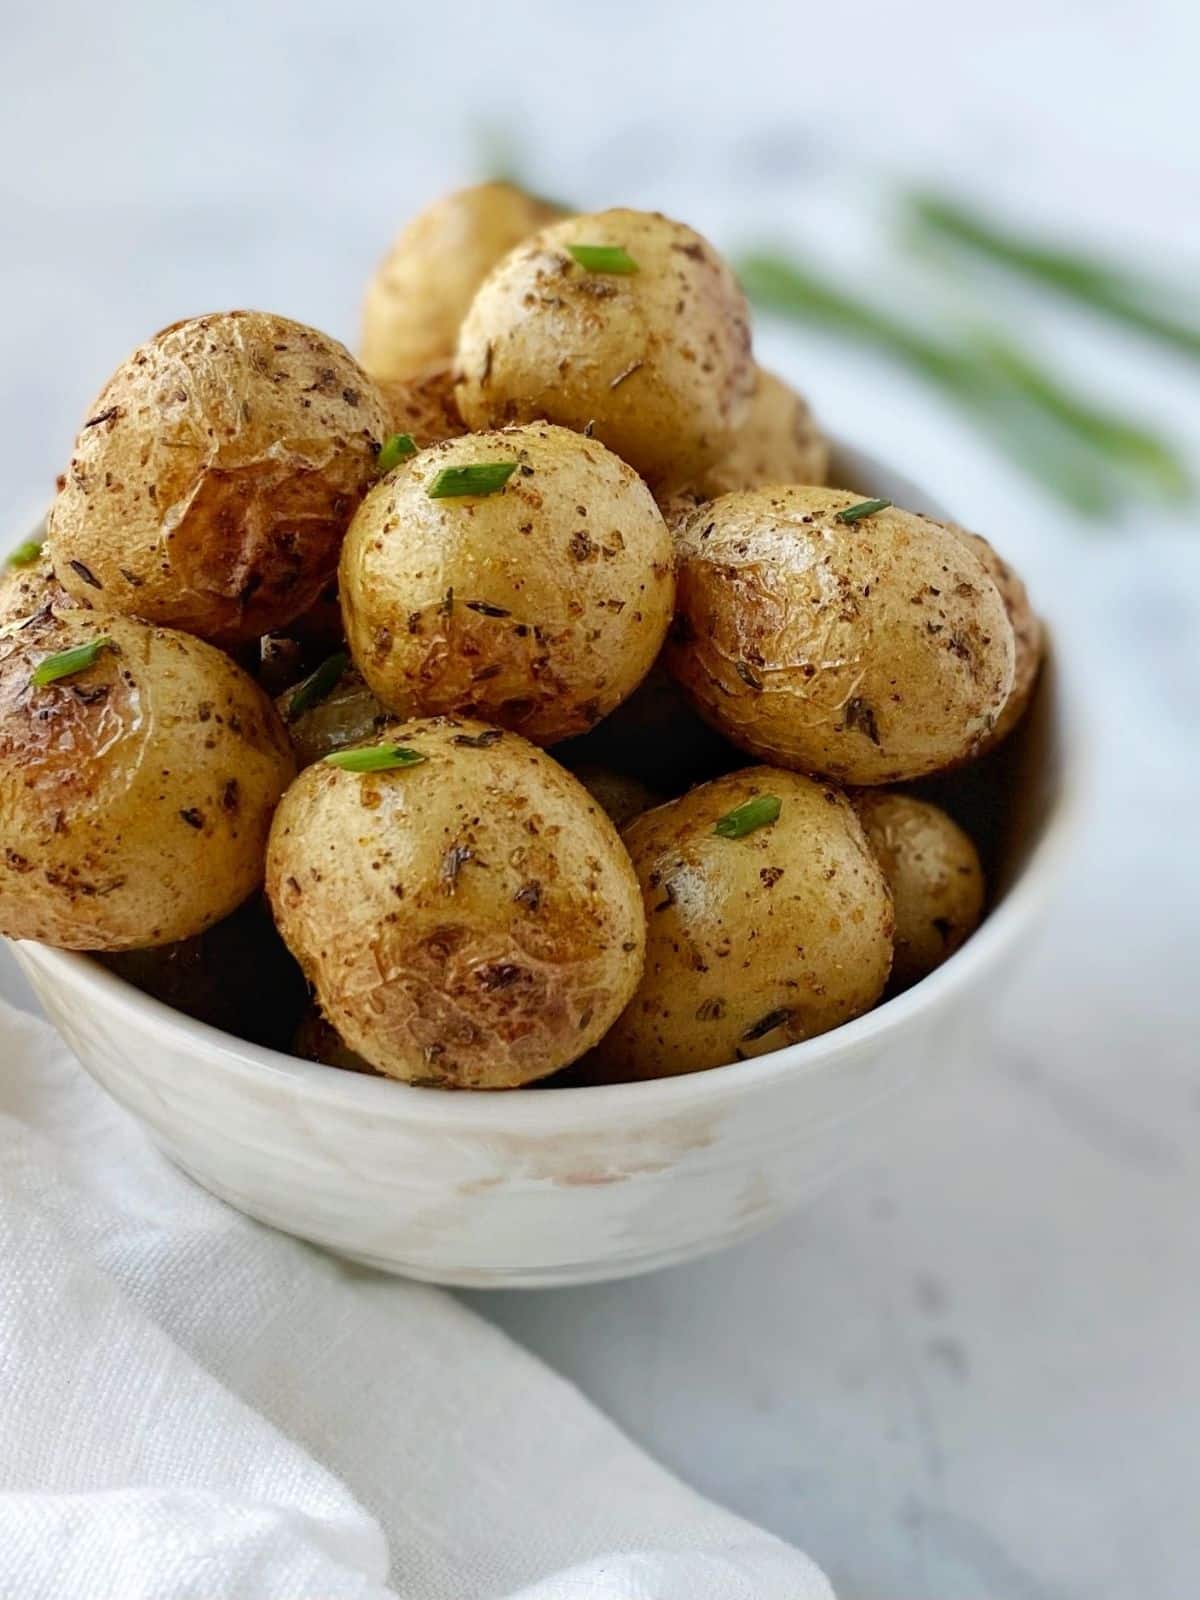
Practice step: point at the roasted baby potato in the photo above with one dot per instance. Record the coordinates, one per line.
(467, 918)
(768, 921)
(778, 442)
(933, 871)
(538, 606)
(872, 650)
(624, 324)
(423, 406)
(29, 585)
(1027, 634)
(137, 779)
(421, 290)
(216, 475)
(320, 722)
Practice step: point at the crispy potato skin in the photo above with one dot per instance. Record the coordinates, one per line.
(420, 292)
(752, 943)
(471, 922)
(869, 652)
(135, 796)
(778, 442)
(933, 871)
(539, 608)
(657, 363)
(1027, 634)
(349, 714)
(216, 475)
(423, 405)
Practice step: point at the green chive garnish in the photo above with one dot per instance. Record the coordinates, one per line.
(864, 508)
(374, 758)
(481, 477)
(743, 819)
(317, 685)
(604, 258)
(26, 553)
(67, 662)
(394, 450)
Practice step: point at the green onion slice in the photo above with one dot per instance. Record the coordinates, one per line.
(67, 662)
(864, 508)
(317, 685)
(612, 258)
(26, 553)
(743, 819)
(479, 478)
(374, 758)
(394, 450)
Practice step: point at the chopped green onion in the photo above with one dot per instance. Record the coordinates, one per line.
(26, 553)
(394, 450)
(374, 758)
(317, 685)
(743, 819)
(479, 478)
(612, 258)
(67, 662)
(864, 508)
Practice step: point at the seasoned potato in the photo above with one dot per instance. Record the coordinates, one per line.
(755, 941)
(421, 290)
(655, 361)
(470, 921)
(346, 714)
(1027, 634)
(870, 651)
(212, 484)
(423, 405)
(933, 871)
(539, 607)
(621, 797)
(31, 586)
(778, 442)
(135, 792)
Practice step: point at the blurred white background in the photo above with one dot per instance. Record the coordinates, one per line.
(971, 1371)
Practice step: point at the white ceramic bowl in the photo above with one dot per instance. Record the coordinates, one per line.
(567, 1185)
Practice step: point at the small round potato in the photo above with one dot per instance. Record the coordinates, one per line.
(1027, 634)
(753, 942)
(32, 587)
(420, 292)
(348, 714)
(213, 482)
(471, 921)
(621, 797)
(135, 792)
(655, 360)
(539, 607)
(871, 651)
(933, 871)
(778, 442)
(423, 406)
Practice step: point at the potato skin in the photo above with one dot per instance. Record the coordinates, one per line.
(420, 292)
(216, 475)
(1027, 634)
(423, 405)
(870, 652)
(24, 590)
(657, 362)
(472, 922)
(539, 608)
(933, 871)
(135, 796)
(778, 442)
(752, 943)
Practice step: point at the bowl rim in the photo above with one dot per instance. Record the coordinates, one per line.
(504, 1109)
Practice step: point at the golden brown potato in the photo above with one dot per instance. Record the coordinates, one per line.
(933, 871)
(778, 442)
(423, 406)
(871, 651)
(212, 484)
(539, 607)
(753, 942)
(135, 792)
(420, 292)
(346, 714)
(656, 362)
(1027, 634)
(31, 586)
(621, 797)
(471, 921)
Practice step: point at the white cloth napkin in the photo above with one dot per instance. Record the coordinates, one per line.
(193, 1407)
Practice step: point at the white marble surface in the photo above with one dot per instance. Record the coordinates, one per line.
(970, 1371)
